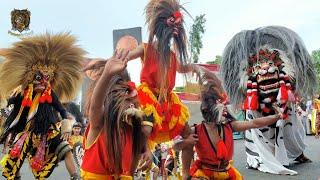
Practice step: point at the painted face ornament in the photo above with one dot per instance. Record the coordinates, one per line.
(41, 81)
(267, 83)
(175, 22)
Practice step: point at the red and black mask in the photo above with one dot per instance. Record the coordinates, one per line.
(165, 22)
(41, 81)
(175, 22)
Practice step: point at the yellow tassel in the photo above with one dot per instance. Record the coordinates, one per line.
(16, 120)
(30, 91)
(4, 160)
(34, 107)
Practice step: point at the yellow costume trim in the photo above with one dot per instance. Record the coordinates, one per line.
(88, 146)
(150, 109)
(218, 175)
(34, 106)
(314, 114)
(3, 160)
(93, 176)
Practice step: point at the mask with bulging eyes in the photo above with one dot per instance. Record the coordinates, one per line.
(41, 80)
(218, 111)
(133, 112)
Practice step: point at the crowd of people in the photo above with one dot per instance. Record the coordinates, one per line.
(143, 130)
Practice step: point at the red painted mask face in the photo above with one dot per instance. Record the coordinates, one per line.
(132, 93)
(40, 81)
(267, 76)
(175, 22)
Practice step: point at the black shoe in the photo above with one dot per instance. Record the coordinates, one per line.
(302, 159)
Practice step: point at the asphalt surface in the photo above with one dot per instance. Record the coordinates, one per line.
(309, 171)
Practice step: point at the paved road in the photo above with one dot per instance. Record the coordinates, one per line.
(308, 171)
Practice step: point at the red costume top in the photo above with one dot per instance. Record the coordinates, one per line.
(170, 115)
(207, 153)
(95, 156)
(150, 69)
(214, 161)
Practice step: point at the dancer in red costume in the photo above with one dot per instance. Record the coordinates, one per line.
(163, 56)
(114, 139)
(214, 146)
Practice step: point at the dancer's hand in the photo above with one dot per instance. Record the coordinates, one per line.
(145, 161)
(117, 63)
(197, 70)
(277, 110)
(95, 65)
(191, 140)
(66, 136)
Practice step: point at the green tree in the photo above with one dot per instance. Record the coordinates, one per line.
(210, 62)
(195, 39)
(180, 89)
(217, 60)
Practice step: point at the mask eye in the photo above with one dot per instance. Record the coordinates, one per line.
(38, 77)
(170, 21)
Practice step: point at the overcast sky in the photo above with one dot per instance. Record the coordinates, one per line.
(93, 21)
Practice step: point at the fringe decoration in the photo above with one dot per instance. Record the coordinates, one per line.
(26, 102)
(27, 97)
(17, 148)
(232, 174)
(169, 117)
(34, 107)
(291, 96)
(247, 100)
(46, 96)
(4, 160)
(222, 151)
(37, 162)
(283, 93)
(254, 103)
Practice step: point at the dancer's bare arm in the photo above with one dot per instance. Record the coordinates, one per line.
(186, 145)
(134, 54)
(188, 139)
(186, 68)
(255, 123)
(258, 122)
(114, 65)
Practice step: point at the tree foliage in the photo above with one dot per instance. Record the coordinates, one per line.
(195, 39)
(217, 60)
(316, 60)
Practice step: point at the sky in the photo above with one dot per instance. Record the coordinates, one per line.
(92, 22)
